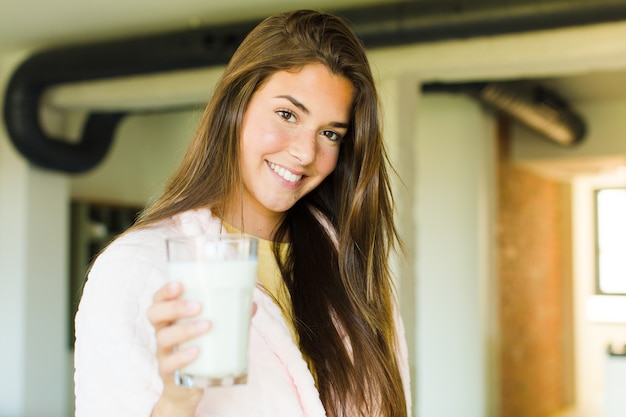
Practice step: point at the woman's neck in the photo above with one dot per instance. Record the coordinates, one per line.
(252, 223)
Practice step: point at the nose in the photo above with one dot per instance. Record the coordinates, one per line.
(303, 147)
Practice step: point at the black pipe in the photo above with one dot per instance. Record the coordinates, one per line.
(59, 155)
(436, 20)
(145, 55)
(527, 102)
(378, 26)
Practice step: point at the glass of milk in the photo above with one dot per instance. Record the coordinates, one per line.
(220, 271)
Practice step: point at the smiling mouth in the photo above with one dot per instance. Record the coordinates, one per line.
(284, 174)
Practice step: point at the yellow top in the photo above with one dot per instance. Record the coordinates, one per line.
(272, 282)
(270, 278)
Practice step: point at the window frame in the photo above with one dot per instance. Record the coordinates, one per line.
(598, 278)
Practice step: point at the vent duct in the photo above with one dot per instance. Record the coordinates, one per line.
(378, 26)
(146, 55)
(533, 105)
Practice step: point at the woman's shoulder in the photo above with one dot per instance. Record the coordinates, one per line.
(187, 223)
(146, 245)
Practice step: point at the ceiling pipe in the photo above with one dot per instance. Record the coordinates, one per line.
(533, 105)
(436, 20)
(145, 55)
(385, 25)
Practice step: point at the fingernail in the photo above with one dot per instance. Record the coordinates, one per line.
(193, 306)
(172, 287)
(191, 351)
(202, 325)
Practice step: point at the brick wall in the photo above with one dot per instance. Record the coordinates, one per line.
(533, 254)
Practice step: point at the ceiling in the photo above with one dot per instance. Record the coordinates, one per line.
(28, 23)
(39, 24)
(32, 24)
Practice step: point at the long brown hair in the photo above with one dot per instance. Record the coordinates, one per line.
(341, 233)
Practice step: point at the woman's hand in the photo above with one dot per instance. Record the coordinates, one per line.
(166, 309)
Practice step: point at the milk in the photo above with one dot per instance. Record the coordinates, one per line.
(224, 287)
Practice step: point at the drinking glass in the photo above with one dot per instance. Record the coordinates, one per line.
(219, 271)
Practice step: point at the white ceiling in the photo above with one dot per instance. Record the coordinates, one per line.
(26, 24)
(32, 23)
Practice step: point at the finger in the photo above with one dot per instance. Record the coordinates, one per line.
(254, 309)
(171, 336)
(168, 291)
(166, 312)
(178, 359)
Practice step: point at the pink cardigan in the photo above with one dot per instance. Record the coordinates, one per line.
(115, 365)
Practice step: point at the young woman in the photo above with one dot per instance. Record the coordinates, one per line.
(289, 150)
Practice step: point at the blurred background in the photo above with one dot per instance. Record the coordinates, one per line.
(504, 121)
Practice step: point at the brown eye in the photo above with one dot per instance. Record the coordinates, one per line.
(286, 115)
(333, 136)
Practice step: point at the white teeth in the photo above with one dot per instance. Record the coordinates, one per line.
(284, 173)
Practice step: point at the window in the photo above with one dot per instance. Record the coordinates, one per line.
(93, 226)
(611, 241)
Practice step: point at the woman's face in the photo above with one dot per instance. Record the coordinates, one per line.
(291, 135)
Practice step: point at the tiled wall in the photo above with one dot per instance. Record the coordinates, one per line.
(533, 254)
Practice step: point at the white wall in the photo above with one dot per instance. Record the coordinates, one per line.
(13, 191)
(33, 283)
(146, 149)
(399, 96)
(454, 212)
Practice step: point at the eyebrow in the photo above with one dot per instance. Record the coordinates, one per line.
(304, 109)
